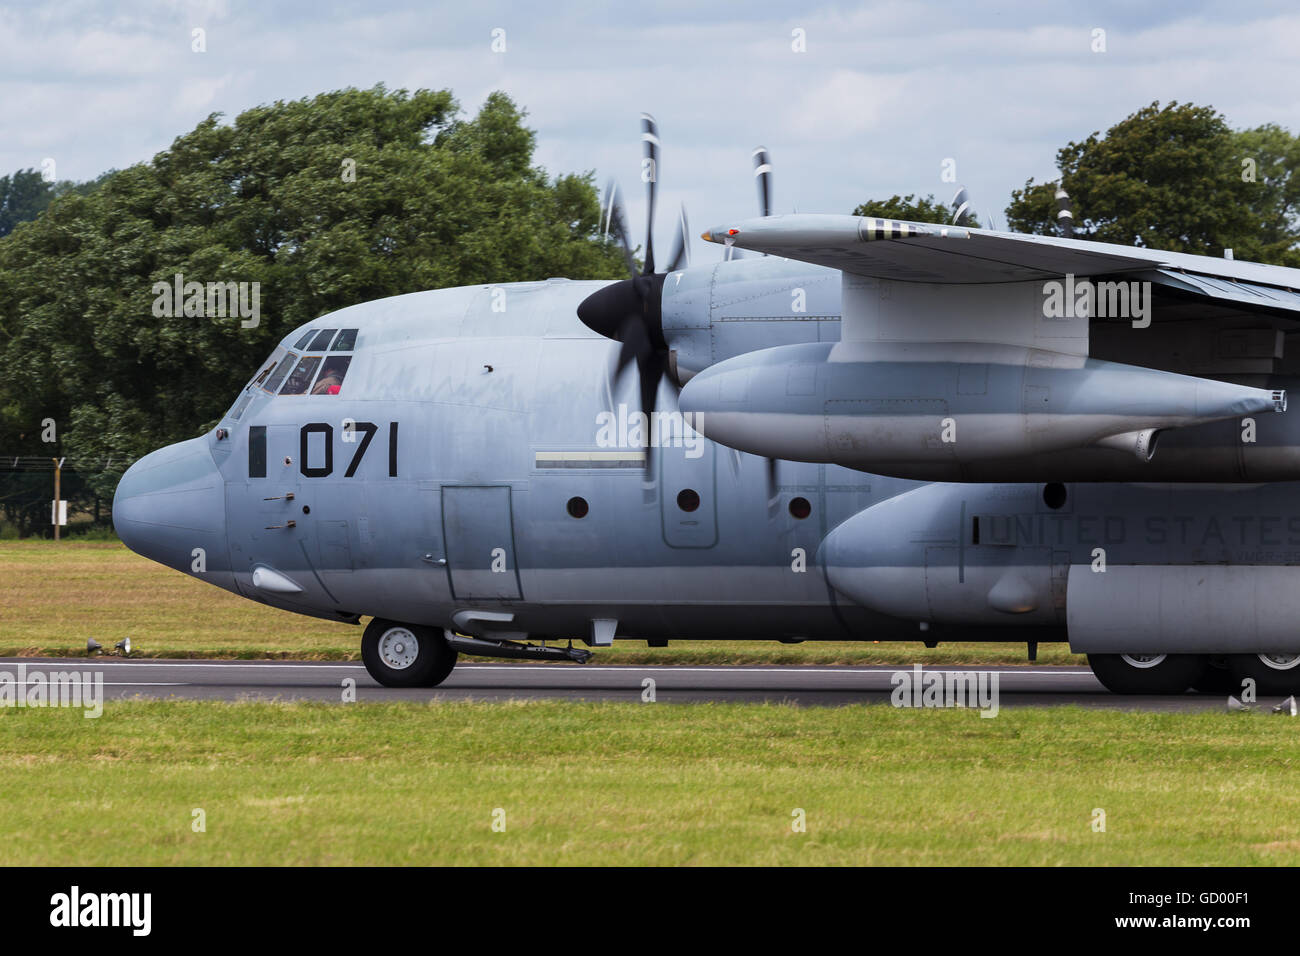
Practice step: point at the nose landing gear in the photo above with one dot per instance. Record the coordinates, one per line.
(406, 655)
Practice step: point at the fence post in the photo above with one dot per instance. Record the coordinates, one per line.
(58, 469)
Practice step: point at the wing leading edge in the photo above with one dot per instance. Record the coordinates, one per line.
(928, 252)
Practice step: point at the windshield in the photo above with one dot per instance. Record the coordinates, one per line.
(258, 381)
(301, 375)
(279, 372)
(321, 374)
(331, 376)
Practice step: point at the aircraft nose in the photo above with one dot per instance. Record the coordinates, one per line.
(170, 507)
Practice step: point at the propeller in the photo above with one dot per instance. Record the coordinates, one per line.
(681, 256)
(1065, 213)
(650, 176)
(961, 207)
(630, 311)
(763, 178)
(763, 182)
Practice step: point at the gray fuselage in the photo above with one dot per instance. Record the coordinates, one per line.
(437, 487)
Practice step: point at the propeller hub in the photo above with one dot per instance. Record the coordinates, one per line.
(607, 311)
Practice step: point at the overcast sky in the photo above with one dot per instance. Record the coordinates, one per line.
(882, 94)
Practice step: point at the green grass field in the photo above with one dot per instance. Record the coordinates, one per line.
(54, 596)
(583, 783)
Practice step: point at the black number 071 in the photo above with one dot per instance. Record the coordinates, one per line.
(367, 430)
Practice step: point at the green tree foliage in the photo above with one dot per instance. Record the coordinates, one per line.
(909, 208)
(437, 200)
(1176, 178)
(1274, 202)
(24, 195)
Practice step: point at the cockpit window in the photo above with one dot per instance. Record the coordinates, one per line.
(292, 373)
(241, 404)
(281, 370)
(261, 376)
(322, 340)
(301, 376)
(332, 375)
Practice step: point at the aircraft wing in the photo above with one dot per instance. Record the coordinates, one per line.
(927, 252)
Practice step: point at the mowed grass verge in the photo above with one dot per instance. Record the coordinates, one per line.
(54, 596)
(597, 783)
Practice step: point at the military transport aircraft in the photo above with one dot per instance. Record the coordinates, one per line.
(862, 429)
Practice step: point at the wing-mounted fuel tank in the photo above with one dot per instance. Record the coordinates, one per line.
(944, 411)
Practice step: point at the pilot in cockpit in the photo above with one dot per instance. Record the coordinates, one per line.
(331, 380)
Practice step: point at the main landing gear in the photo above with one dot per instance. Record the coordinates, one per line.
(1272, 674)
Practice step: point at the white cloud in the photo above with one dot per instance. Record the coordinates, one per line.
(883, 94)
(847, 105)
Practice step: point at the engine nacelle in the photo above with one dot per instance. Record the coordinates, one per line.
(710, 315)
(958, 411)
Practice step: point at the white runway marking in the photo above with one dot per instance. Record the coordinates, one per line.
(116, 683)
(631, 668)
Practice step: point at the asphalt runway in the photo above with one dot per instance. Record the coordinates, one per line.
(1018, 686)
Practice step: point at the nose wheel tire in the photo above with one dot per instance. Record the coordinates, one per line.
(406, 655)
(1147, 673)
(1272, 673)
